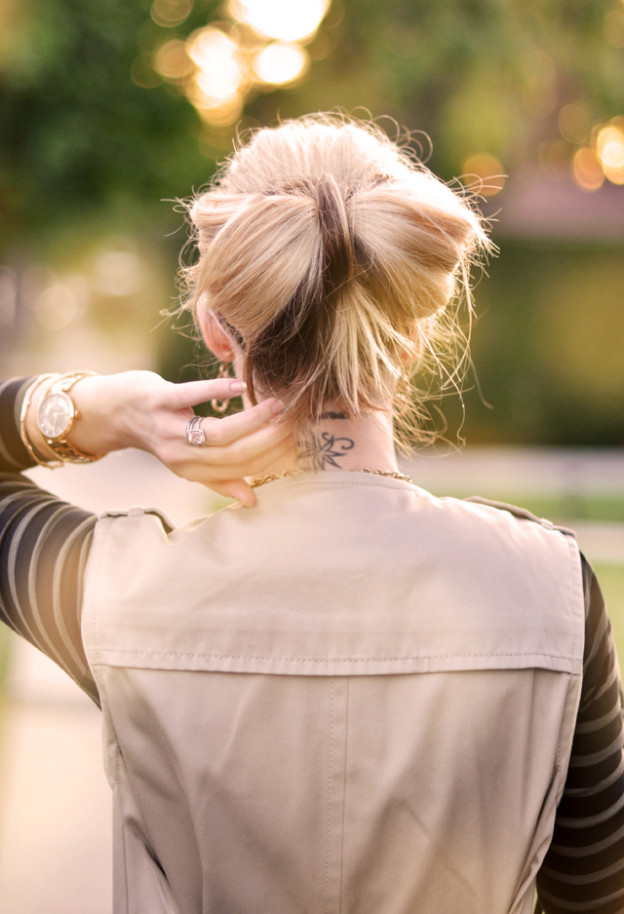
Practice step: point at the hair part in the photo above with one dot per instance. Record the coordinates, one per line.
(334, 258)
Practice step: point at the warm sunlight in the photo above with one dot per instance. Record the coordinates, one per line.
(586, 169)
(279, 63)
(610, 149)
(285, 20)
(485, 173)
(219, 75)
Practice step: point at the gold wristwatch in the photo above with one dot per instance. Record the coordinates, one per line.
(56, 416)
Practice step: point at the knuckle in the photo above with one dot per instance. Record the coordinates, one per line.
(213, 430)
(241, 452)
(171, 456)
(152, 400)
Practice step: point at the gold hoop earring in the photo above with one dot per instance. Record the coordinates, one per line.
(220, 406)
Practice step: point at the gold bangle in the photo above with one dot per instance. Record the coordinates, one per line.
(42, 461)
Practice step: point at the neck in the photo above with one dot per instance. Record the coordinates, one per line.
(338, 443)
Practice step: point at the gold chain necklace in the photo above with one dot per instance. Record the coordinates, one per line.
(272, 477)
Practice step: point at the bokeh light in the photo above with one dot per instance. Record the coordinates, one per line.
(283, 20)
(219, 114)
(259, 45)
(60, 303)
(590, 153)
(170, 13)
(280, 63)
(587, 171)
(172, 61)
(484, 173)
(575, 122)
(609, 143)
(117, 274)
(219, 75)
(142, 71)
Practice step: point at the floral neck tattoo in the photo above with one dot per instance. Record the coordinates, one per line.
(320, 451)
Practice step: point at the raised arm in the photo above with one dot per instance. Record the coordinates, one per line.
(44, 542)
(140, 409)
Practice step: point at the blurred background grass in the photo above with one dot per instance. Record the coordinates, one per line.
(611, 579)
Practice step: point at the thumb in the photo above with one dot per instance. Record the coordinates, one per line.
(236, 488)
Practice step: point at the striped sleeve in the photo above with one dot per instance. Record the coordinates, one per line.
(583, 870)
(13, 454)
(44, 545)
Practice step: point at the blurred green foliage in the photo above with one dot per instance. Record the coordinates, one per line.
(474, 74)
(81, 140)
(87, 152)
(82, 144)
(547, 347)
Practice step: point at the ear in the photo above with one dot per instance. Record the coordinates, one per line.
(413, 352)
(215, 335)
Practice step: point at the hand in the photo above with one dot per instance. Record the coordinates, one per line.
(140, 409)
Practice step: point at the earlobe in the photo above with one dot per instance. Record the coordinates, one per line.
(215, 335)
(411, 353)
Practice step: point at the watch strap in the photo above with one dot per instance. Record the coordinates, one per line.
(62, 449)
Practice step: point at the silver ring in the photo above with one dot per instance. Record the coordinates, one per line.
(194, 433)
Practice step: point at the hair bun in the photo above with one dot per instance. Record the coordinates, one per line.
(334, 255)
(339, 264)
(417, 238)
(258, 255)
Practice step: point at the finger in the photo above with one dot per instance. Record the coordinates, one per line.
(280, 449)
(191, 393)
(222, 432)
(232, 489)
(239, 489)
(209, 463)
(260, 467)
(215, 469)
(214, 474)
(249, 454)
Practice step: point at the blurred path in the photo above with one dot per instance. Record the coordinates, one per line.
(534, 471)
(55, 827)
(55, 831)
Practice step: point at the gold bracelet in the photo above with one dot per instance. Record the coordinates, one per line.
(42, 461)
(59, 390)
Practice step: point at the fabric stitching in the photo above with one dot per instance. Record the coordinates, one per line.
(344, 798)
(341, 659)
(330, 796)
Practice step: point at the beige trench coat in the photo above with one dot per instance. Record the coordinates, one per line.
(354, 697)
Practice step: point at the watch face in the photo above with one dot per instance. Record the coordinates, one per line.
(56, 413)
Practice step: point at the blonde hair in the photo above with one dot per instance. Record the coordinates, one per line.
(331, 255)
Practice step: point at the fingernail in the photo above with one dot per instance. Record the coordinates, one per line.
(237, 387)
(277, 407)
